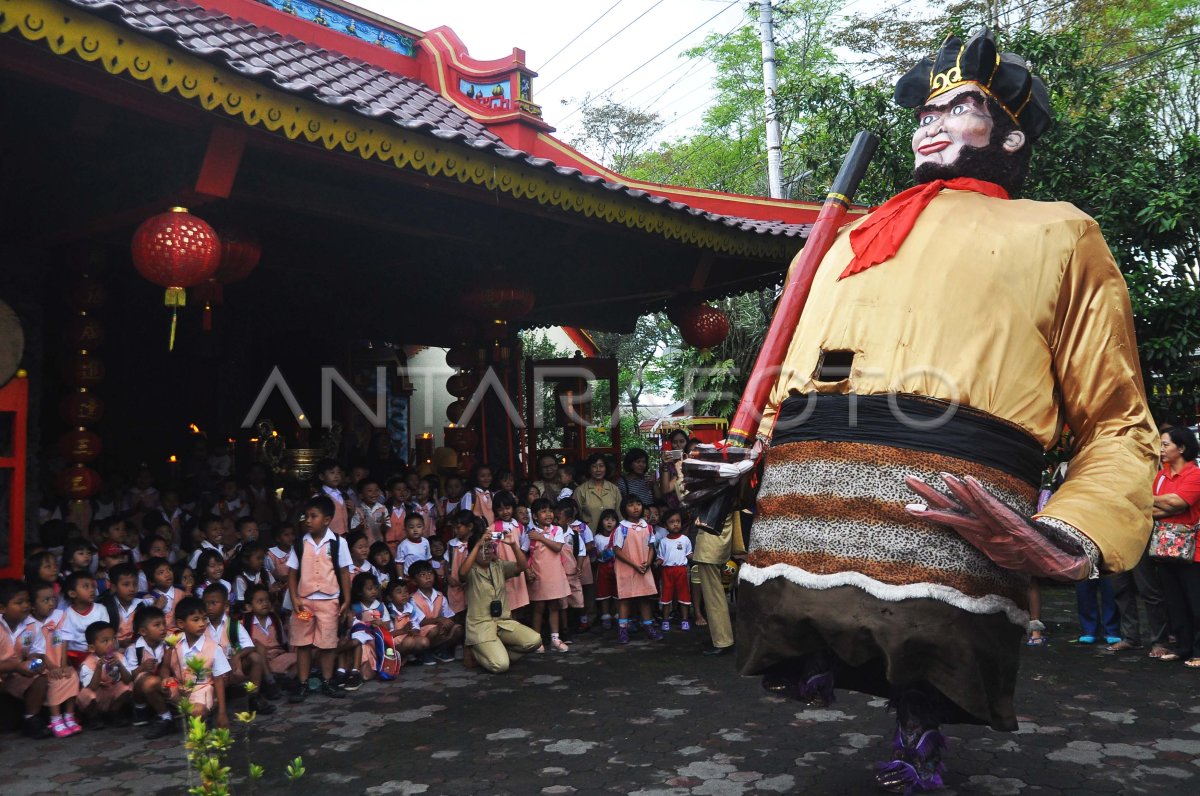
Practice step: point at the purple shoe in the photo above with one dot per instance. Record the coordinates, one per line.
(623, 635)
(917, 764)
(653, 633)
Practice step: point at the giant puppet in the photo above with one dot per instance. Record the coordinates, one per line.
(947, 338)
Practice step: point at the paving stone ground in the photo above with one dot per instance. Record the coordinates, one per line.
(660, 720)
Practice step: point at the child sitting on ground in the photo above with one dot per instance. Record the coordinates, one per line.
(380, 556)
(369, 611)
(204, 691)
(406, 638)
(247, 665)
(144, 661)
(210, 569)
(266, 630)
(105, 682)
(432, 616)
(121, 601)
(21, 674)
(249, 569)
(63, 686)
(80, 610)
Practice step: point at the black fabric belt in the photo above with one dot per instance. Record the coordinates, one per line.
(913, 423)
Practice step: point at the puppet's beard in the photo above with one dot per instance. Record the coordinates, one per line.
(989, 163)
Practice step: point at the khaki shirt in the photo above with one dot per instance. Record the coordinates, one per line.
(712, 548)
(1014, 308)
(592, 502)
(482, 587)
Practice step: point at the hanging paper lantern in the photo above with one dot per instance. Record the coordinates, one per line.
(87, 295)
(79, 446)
(460, 356)
(83, 370)
(454, 411)
(81, 409)
(704, 327)
(240, 253)
(460, 385)
(78, 482)
(497, 303)
(176, 250)
(84, 331)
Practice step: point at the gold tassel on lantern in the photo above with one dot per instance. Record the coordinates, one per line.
(175, 298)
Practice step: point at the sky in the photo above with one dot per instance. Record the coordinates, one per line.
(647, 37)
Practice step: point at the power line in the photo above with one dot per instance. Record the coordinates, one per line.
(649, 60)
(580, 33)
(601, 44)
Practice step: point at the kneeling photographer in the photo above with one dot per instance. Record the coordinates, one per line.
(493, 636)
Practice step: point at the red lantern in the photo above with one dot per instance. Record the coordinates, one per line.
(84, 332)
(79, 446)
(78, 482)
(240, 253)
(460, 385)
(176, 250)
(460, 357)
(81, 409)
(461, 439)
(87, 295)
(498, 303)
(83, 370)
(454, 411)
(704, 327)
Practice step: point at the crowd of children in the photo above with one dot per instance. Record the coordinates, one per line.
(162, 606)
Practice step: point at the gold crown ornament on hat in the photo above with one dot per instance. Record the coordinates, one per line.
(1004, 77)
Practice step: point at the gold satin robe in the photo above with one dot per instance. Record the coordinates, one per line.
(1025, 317)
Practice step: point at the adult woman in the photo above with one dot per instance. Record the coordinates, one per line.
(634, 481)
(597, 493)
(1177, 500)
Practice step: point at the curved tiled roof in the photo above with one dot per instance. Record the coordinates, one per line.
(313, 72)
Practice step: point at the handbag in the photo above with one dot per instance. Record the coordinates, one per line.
(1171, 541)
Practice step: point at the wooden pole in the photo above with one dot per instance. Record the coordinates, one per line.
(795, 292)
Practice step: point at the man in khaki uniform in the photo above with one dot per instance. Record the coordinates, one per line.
(710, 555)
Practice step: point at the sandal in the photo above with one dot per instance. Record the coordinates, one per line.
(1123, 645)
(1192, 663)
(1158, 651)
(559, 646)
(1169, 656)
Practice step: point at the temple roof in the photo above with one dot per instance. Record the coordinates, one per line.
(372, 91)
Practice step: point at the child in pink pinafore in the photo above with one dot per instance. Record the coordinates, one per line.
(631, 544)
(267, 631)
(479, 500)
(547, 577)
(456, 552)
(516, 589)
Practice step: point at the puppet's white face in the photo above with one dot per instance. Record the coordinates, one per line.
(948, 123)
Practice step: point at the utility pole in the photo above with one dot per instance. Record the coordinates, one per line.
(766, 32)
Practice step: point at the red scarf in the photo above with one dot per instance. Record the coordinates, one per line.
(877, 239)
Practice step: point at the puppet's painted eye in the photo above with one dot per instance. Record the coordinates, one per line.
(927, 118)
(958, 110)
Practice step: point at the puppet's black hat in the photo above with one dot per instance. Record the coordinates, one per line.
(1003, 77)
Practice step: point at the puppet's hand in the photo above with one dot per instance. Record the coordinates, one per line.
(1006, 536)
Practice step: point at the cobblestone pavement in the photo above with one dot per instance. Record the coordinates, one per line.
(660, 720)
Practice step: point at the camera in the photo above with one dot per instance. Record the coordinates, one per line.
(497, 536)
(36, 665)
(495, 609)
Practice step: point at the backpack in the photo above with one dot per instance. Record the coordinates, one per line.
(335, 554)
(387, 662)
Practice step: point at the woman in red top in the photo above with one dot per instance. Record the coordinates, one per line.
(1177, 499)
